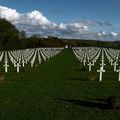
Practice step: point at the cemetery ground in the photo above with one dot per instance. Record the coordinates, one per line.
(58, 89)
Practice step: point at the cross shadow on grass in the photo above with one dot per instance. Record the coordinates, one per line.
(97, 103)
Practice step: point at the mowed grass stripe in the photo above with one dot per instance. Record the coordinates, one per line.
(55, 90)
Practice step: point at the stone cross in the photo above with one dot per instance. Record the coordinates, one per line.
(119, 74)
(100, 71)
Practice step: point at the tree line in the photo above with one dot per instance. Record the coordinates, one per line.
(12, 38)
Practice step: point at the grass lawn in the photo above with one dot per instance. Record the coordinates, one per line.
(58, 90)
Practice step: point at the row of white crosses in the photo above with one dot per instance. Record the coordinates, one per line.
(1, 55)
(113, 59)
(92, 54)
(19, 58)
(6, 62)
(87, 55)
(101, 70)
(95, 58)
(113, 56)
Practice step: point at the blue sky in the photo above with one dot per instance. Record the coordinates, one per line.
(98, 15)
(68, 10)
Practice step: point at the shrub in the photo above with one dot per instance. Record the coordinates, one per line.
(2, 76)
(92, 77)
(114, 102)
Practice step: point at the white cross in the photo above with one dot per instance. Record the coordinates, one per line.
(6, 67)
(102, 61)
(100, 71)
(14, 63)
(88, 59)
(81, 59)
(117, 59)
(90, 64)
(111, 61)
(84, 61)
(102, 64)
(19, 60)
(119, 74)
(1, 56)
(93, 62)
(6, 61)
(26, 60)
(31, 63)
(94, 59)
(115, 64)
(23, 63)
(18, 67)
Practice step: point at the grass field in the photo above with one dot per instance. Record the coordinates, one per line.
(58, 90)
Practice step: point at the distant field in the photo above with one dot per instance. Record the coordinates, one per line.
(58, 90)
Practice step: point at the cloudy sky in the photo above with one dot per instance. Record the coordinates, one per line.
(79, 19)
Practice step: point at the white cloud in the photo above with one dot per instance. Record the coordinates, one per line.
(72, 28)
(62, 26)
(9, 14)
(32, 18)
(36, 18)
(108, 36)
(76, 25)
(103, 33)
(85, 27)
(99, 34)
(114, 34)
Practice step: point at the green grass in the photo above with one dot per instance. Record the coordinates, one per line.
(57, 90)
